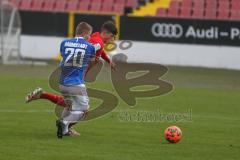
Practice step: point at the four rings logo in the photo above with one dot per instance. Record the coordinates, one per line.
(167, 30)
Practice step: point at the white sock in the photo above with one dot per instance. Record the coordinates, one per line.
(65, 129)
(72, 117)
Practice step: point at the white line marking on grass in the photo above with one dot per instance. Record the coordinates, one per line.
(26, 111)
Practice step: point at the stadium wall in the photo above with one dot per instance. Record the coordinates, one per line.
(184, 31)
(182, 42)
(154, 52)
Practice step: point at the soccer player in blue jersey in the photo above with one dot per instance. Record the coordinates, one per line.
(76, 53)
(98, 39)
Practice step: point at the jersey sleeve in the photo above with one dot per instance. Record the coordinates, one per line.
(98, 44)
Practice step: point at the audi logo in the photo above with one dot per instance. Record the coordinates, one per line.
(165, 30)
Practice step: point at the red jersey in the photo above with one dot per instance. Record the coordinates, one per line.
(98, 43)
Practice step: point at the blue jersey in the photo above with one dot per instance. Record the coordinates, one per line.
(76, 54)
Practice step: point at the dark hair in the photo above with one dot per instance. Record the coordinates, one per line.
(83, 27)
(110, 27)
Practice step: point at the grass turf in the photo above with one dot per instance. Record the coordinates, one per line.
(27, 131)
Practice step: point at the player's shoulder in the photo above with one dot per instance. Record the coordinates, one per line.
(66, 40)
(86, 42)
(91, 46)
(96, 38)
(96, 41)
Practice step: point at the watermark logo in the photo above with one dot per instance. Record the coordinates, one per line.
(122, 82)
(154, 116)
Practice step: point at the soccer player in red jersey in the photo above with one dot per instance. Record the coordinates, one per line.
(98, 39)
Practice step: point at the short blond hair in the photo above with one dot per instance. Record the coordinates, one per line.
(83, 27)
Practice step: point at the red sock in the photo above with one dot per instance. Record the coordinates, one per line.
(54, 98)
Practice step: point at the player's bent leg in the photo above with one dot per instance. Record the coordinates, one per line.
(56, 99)
(79, 103)
(71, 130)
(76, 97)
(73, 118)
(64, 125)
(38, 93)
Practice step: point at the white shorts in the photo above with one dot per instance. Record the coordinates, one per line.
(76, 97)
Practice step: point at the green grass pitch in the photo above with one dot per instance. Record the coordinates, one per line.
(28, 132)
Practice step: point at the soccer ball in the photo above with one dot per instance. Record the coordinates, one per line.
(173, 134)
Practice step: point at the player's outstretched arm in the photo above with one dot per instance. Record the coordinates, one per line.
(107, 59)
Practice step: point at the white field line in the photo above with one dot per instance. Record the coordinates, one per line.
(26, 111)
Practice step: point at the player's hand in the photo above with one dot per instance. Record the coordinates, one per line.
(113, 66)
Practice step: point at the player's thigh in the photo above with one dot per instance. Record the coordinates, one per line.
(80, 103)
(76, 97)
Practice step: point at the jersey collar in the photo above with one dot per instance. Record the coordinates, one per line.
(79, 37)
